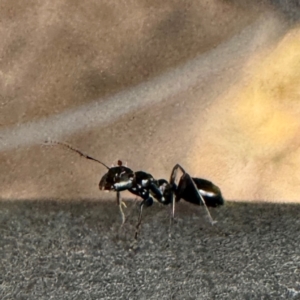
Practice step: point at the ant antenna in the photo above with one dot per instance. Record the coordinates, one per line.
(76, 150)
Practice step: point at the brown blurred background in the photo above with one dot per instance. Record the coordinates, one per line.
(212, 85)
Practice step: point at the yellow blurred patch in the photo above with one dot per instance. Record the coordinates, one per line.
(250, 144)
(268, 108)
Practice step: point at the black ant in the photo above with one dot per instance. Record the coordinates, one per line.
(120, 178)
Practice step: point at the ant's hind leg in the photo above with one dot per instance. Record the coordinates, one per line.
(184, 182)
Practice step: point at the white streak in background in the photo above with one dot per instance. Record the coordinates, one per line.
(148, 93)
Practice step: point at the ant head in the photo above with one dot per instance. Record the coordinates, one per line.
(115, 175)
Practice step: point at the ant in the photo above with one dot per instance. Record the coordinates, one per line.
(120, 178)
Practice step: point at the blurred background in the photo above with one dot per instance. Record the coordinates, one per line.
(212, 85)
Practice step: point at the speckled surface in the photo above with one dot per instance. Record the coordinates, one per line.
(77, 250)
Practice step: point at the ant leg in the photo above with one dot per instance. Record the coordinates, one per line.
(147, 202)
(131, 208)
(183, 185)
(201, 198)
(139, 221)
(173, 207)
(172, 183)
(120, 203)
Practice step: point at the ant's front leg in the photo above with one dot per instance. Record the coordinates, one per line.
(121, 204)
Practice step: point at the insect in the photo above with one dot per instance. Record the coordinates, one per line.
(120, 178)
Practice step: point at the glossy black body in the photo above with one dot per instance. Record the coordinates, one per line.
(143, 184)
(212, 196)
(120, 178)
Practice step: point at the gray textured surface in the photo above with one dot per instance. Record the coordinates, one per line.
(53, 250)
